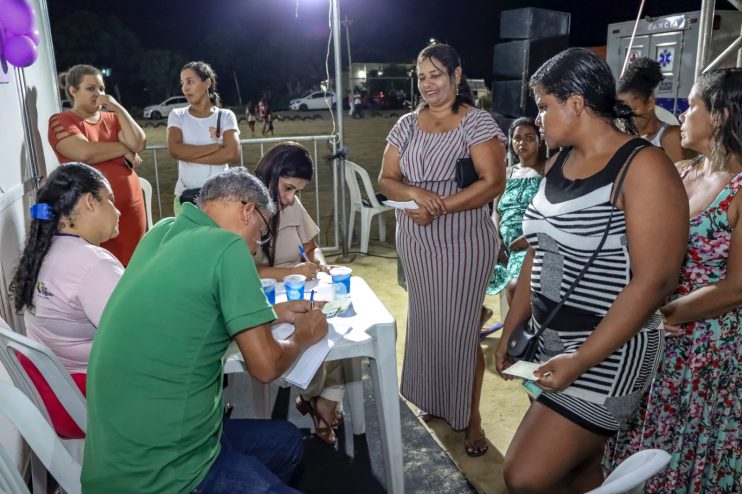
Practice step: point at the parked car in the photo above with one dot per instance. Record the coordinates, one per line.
(163, 109)
(316, 100)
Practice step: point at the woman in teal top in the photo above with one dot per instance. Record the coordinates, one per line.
(522, 184)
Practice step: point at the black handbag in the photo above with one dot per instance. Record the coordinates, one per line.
(523, 341)
(466, 174)
(190, 195)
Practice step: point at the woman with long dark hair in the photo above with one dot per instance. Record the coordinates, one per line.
(693, 409)
(202, 136)
(603, 238)
(636, 88)
(448, 244)
(64, 278)
(107, 140)
(522, 183)
(286, 169)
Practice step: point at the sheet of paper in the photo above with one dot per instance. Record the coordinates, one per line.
(523, 369)
(306, 366)
(283, 330)
(332, 309)
(401, 205)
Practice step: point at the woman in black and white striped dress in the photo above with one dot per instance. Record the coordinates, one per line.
(602, 348)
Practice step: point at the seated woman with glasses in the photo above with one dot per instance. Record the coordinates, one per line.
(287, 169)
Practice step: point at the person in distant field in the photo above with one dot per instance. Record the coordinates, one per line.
(357, 110)
(268, 123)
(203, 137)
(155, 412)
(250, 113)
(64, 278)
(477, 101)
(110, 142)
(636, 89)
(262, 109)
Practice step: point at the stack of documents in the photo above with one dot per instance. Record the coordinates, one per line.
(307, 365)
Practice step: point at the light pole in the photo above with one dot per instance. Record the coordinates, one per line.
(335, 19)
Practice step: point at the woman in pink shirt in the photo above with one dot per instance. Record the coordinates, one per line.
(64, 277)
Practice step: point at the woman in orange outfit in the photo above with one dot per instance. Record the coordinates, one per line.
(107, 140)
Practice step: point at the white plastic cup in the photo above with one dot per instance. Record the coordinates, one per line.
(269, 288)
(294, 284)
(341, 281)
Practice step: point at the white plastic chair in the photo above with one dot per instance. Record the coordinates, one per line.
(368, 208)
(43, 441)
(629, 477)
(147, 190)
(58, 379)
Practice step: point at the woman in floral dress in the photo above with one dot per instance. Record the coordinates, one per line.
(693, 408)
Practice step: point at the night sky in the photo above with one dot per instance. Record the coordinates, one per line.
(382, 31)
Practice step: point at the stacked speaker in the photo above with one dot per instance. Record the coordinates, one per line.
(536, 35)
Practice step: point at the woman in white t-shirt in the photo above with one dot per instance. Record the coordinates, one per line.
(286, 169)
(64, 277)
(202, 136)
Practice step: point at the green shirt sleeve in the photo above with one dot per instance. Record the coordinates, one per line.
(239, 294)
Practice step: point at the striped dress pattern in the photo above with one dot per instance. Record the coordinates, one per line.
(447, 265)
(564, 225)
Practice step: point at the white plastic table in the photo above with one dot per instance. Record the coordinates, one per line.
(373, 335)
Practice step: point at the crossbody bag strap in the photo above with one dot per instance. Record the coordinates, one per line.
(613, 200)
(218, 123)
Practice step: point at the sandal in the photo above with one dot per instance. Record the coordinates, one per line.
(485, 332)
(324, 432)
(477, 447)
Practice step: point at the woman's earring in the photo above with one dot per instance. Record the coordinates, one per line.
(457, 89)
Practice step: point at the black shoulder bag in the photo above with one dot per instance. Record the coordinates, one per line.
(523, 341)
(190, 195)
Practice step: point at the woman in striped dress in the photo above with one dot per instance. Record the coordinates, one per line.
(448, 244)
(602, 348)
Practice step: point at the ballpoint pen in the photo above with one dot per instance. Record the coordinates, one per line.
(303, 253)
(306, 258)
(311, 299)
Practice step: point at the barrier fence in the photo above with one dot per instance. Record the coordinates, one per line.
(259, 146)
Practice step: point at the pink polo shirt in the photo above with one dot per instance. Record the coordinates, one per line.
(73, 286)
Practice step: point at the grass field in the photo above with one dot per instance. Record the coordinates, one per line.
(364, 139)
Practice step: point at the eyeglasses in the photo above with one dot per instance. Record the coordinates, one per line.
(268, 235)
(527, 138)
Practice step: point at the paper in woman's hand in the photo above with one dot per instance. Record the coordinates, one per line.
(523, 370)
(401, 205)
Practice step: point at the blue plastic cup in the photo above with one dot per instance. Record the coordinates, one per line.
(269, 288)
(294, 285)
(341, 281)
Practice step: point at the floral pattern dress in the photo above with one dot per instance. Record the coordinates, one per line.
(512, 206)
(693, 408)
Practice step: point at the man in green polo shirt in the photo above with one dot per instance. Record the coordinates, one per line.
(155, 420)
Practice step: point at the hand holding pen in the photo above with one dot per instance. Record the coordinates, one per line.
(304, 256)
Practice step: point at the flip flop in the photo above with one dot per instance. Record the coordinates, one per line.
(425, 416)
(477, 447)
(485, 332)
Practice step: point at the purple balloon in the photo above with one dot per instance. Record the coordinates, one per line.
(35, 36)
(17, 16)
(20, 50)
